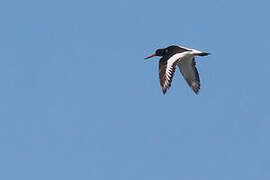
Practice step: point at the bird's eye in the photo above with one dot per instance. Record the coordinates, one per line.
(166, 51)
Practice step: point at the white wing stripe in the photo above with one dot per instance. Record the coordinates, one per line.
(170, 63)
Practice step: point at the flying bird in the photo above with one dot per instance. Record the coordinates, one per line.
(184, 58)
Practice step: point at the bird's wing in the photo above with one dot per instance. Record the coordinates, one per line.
(190, 73)
(166, 72)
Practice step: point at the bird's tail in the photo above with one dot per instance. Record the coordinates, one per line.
(203, 54)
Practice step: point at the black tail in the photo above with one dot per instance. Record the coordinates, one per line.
(203, 54)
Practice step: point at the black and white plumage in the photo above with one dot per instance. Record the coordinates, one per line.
(184, 58)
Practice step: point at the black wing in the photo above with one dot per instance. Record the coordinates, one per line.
(166, 72)
(190, 73)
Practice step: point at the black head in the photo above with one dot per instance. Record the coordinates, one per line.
(162, 52)
(168, 51)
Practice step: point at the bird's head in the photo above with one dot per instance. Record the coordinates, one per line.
(159, 52)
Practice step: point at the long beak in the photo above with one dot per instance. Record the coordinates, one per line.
(151, 56)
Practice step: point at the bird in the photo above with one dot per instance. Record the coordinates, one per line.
(182, 57)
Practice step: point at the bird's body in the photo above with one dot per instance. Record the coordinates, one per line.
(184, 58)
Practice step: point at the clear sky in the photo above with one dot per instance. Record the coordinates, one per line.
(78, 101)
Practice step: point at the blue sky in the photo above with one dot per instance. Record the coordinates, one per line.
(79, 102)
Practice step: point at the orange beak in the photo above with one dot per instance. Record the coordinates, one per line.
(150, 56)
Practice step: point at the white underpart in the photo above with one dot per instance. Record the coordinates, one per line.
(176, 57)
(170, 63)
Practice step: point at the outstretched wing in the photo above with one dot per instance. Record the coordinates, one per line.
(190, 73)
(166, 72)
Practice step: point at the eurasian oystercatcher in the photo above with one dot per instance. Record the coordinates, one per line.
(184, 58)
